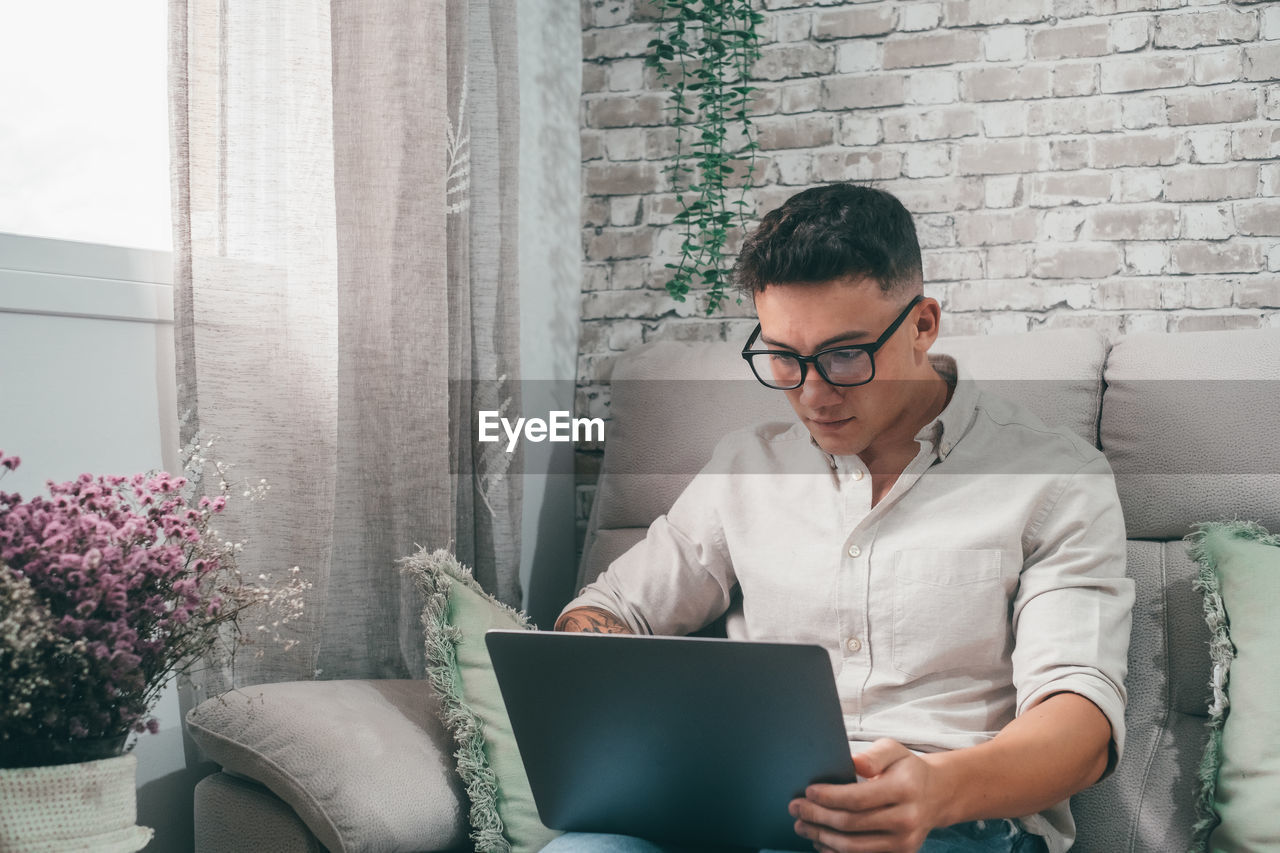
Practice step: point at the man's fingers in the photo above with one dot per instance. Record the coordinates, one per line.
(826, 839)
(859, 796)
(842, 820)
(879, 757)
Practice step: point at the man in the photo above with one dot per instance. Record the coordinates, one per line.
(962, 562)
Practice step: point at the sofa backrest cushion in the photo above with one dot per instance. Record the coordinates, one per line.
(1191, 425)
(671, 402)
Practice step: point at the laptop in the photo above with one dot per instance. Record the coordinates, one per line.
(685, 740)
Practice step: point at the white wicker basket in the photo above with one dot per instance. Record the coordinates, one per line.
(89, 806)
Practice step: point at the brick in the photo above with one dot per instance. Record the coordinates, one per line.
(860, 129)
(622, 178)
(592, 144)
(610, 13)
(624, 210)
(764, 100)
(1071, 41)
(1112, 7)
(1215, 322)
(595, 211)
(1015, 296)
(626, 75)
(988, 227)
(1140, 113)
(968, 13)
(1069, 154)
(1055, 189)
(646, 109)
(1006, 84)
(1258, 218)
(876, 165)
(1217, 66)
(1207, 222)
(625, 143)
(807, 131)
(1130, 34)
(1210, 145)
(1258, 292)
(1146, 258)
(1270, 22)
(944, 123)
(630, 274)
(856, 91)
(1271, 103)
(1189, 257)
(1008, 261)
(952, 265)
(612, 243)
(784, 61)
(1002, 190)
(858, 55)
(1004, 119)
(1262, 62)
(933, 87)
(1096, 115)
(1196, 29)
(983, 157)
(1074, 79)
(1131, 222)
(660, 143)
(1005, 44)
(1077, 260)
(1062, 224)
(1211, 183)
(794, 168)
(1205, 292)
(595, 276)
(1269, 179)
(1109, 325)
(1133, 73)
(1139, 185)
(799, 97)
(594, 77)
(937, 195)
(942, 48)
(796, 26)
(1212, 106)
(1128, 294)
(852, 23)
(917, 16)
(1156, 148)
(927, 161)
(935, 230)
(613, 42)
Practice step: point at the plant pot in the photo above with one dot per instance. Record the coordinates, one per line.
(92, 805)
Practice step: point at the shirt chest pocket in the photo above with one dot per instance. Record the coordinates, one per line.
(950, 611)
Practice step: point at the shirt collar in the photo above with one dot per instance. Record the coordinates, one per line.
(944, 431)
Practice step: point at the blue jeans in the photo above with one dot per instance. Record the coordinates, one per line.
(982, 836)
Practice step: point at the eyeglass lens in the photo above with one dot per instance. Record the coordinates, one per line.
(841, 367)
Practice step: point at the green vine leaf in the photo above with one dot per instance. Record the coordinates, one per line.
(704, 51)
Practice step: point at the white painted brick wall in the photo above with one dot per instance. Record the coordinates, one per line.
(1113, 164)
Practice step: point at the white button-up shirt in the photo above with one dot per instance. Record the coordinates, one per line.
(991, 574)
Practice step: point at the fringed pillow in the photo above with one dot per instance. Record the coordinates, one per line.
(455, 617)
(1240, 775)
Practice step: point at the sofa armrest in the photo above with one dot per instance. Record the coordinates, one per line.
(365, 765)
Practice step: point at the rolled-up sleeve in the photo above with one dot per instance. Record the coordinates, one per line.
(1072, 612)
(679, 577)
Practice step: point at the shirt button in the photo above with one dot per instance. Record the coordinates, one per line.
(854, 550)
(854, 644)
(857, 475)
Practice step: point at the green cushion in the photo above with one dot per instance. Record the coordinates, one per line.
(1240, 576)
(455, 616)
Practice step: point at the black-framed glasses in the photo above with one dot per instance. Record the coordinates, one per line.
(845, 366)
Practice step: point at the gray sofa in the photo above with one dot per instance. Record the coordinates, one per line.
(1190, 423)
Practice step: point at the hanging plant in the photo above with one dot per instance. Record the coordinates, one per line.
(703, 52)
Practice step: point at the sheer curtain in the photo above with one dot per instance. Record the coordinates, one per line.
(345, 208)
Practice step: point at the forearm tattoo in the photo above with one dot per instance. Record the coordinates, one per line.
(591, 620)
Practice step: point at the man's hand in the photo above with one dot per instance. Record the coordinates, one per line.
(591, 620)
(893, 810)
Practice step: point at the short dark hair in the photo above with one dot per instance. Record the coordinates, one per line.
(830, 232)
